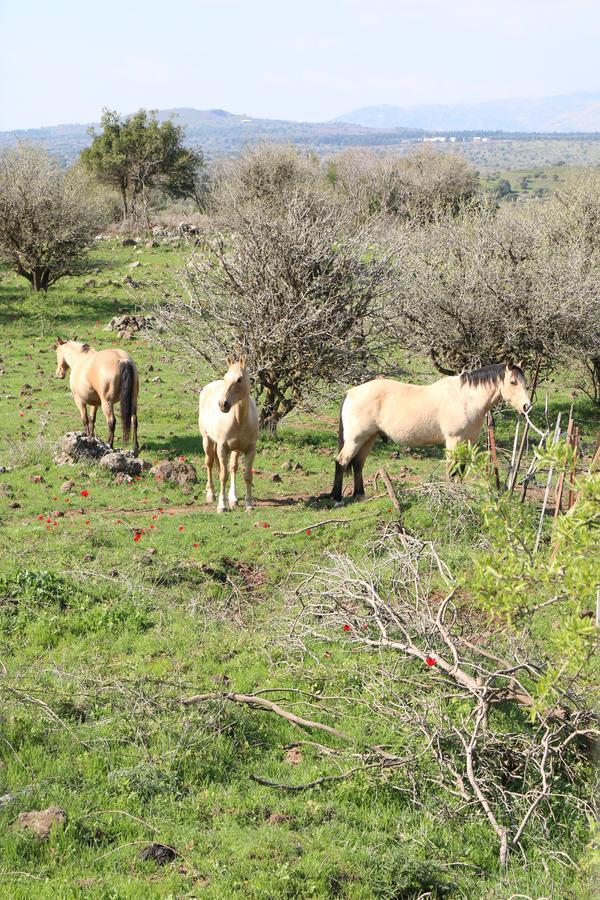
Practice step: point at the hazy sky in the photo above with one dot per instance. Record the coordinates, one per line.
(63, 60)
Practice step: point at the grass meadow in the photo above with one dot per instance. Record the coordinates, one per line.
(107, 635)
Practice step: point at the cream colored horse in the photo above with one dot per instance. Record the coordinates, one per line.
(101, 378)
(445, 412)
(228, 422)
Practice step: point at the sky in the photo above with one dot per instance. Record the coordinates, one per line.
(62, 61)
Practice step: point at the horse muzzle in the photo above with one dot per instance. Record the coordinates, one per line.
(225, 406)
(526, 408)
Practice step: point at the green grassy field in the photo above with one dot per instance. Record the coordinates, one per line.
(110, 634)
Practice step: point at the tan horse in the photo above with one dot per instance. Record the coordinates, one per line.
(228, 422)
(446, 412)
(101, 378)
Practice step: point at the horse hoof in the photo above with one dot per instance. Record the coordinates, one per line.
(221, 509)
(210, 498)
(249, 507)
(338, 504)
(232, 504)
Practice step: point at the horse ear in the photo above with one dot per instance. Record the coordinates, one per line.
(85, 348)
(242, 362)
(229, 361)
(520, 364)
(59, 341)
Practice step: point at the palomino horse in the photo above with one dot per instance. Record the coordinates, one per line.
(228, 423)
(101, 378)
(445, 412)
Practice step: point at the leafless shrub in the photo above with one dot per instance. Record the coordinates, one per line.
(412, 187)
(48, 216)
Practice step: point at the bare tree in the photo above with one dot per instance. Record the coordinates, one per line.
(48, 216)
(296, 288)
(494, 283)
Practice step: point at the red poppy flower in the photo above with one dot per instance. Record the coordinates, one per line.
(155, 517)
(55, 498)
(55, 523)
(118, 521)
(308, 531)
(67, 500)
(182, 459)
(137, 536)
(160, 509)
(48, 520)
(87, 521)
(21, 413)
(195, 545)
(84, 493)
(430, 661)
(153, 526)
(48, 527)
(41, 517)
(180, 528)
(345, 628)
(265, 525)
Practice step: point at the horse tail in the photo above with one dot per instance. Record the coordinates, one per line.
(127, 386)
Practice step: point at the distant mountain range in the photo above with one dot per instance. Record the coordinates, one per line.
(564, 114)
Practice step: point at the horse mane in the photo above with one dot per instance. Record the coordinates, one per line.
(491, 374)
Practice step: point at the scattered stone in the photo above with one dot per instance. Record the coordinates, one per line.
(41, 821)
(156, 380)
(151, 244)
(90, 283)
(277, 819)
(6, 490)
(276, 479)
(113, 573)
(14, 505)
(297, 467)
(129, 323)
(4, 469)
(293, 756)
(135, 265)
(129, 280)
(175, 471)
(288, 465)
(75, 446)
(118, 461)
(128, 242)
(38, 479)
(66, 486)
(220, 678)
(123, 478)
(26, 389)
(57, 513)
(159, 853)
(151, 551)
(88, 557)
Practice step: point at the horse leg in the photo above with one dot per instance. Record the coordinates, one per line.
(83, 413)
(223, 454)
(209, 459)
(451, 443)
(357, 468)
(109, 411)
(93, 420)
(235, 456)
(248, 460)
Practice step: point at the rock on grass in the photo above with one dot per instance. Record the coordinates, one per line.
(41, 821)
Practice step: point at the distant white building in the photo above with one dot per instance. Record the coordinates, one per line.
(434, 140)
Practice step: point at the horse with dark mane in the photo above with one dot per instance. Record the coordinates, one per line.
(446, 412)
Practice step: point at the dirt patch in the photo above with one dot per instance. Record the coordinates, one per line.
(158, 853)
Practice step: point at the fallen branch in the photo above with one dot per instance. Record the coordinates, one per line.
(262, 703)
(316, 525)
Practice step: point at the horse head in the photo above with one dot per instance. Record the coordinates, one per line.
(513, 388)
(62, 367)
(235, 384)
